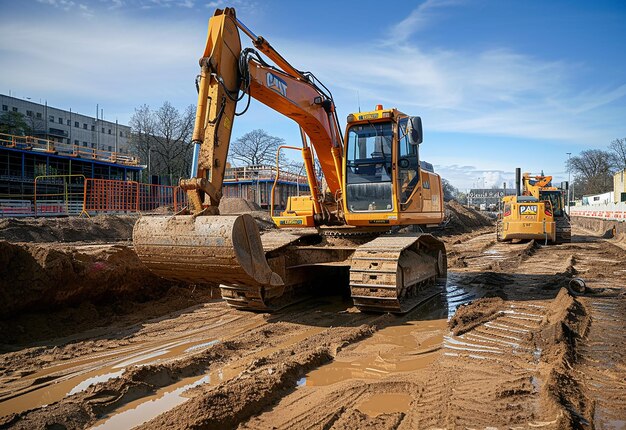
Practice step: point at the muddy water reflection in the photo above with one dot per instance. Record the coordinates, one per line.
(405, 348)
(411, 345)
(79, 378)
(143, 410)
(53, 383)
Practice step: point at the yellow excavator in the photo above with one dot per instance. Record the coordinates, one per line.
(537, 211)
(346, 232)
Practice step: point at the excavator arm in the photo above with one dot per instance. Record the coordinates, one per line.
(225, 70)
(202, 246)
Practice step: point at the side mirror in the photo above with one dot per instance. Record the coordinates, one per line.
(414, 130)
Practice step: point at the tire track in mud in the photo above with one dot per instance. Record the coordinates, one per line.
(602, 362)
(601, 357)
(253, 337)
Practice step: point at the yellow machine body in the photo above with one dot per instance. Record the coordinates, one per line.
(527, 218)
(538, 213)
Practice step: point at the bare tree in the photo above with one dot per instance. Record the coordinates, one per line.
(255, 148)
(618, 149)
(163, 138)
(37, 125)
(592, 171)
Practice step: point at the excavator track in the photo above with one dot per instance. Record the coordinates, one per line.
(563, 229)
(255, 296)
(395, 273)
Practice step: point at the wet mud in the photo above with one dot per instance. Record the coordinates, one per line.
(506, 344)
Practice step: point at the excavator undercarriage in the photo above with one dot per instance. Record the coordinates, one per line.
(266, 272)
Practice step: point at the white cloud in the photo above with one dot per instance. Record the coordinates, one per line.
(111, 58)
(418, 19)
(467, 177)
(497, 92)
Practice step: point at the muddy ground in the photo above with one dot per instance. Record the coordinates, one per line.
(507, 344)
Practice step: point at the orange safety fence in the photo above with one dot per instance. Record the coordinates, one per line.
(152, 197)
(114, 196)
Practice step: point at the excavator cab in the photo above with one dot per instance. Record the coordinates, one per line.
(385, 183)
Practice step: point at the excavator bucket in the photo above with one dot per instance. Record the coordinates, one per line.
(204, 250)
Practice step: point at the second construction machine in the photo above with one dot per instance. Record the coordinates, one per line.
(346, 233)
(537, 211)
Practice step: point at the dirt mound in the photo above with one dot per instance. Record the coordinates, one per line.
(472, 315)
(567, 323)
(102, 228)
(462, 219)
(45, 276)
(236, 205)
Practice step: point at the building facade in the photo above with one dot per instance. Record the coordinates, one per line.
(63, 126)
(487, 197)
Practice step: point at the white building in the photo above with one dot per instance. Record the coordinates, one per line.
(69, 127)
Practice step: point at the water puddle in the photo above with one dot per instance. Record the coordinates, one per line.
(145, 409)
(385, 403)
(397, 349)
(94, 380)
(82, 374)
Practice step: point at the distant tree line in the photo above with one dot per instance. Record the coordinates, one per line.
(593, 169)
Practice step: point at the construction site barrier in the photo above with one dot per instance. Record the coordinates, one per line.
(113, 196)
(67, 195)
(609, 211)
(56, 195)
(152, 197)
(10, 208)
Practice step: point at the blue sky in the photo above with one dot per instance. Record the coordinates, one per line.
(498, 83)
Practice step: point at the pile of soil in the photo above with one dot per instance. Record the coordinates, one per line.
(238, 206)
(472, 315)
(235, 205)
(44, 276)
(462, 219)
(101, 228)
(567, 323)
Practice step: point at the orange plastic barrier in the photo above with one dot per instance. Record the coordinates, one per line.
(114, 196)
